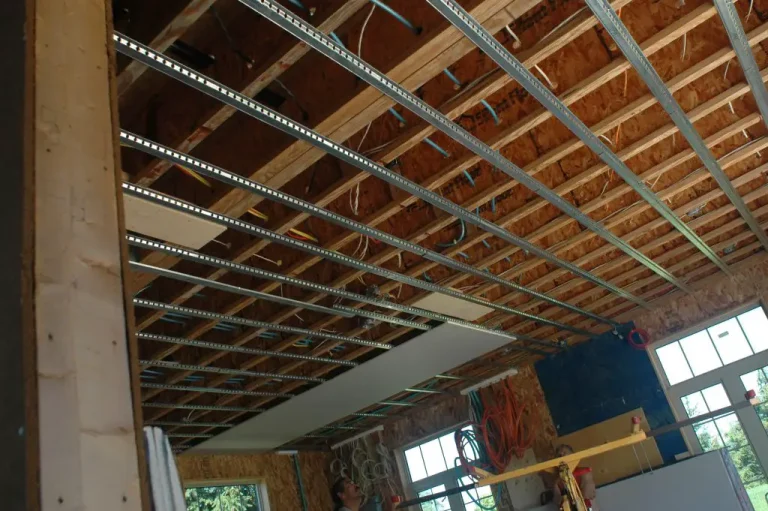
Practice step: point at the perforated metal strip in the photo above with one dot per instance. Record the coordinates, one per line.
(182, 424)
(237, 181)
(240, 349)
(177, 366)
(212, 390)
(274, 327)
(380, 81)
(475, 32)
(229, 288)
(248, 106)
(642, 65)
(234, 223)
(216, 262)
(207, 408)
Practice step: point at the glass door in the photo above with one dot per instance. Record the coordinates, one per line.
(712, 369)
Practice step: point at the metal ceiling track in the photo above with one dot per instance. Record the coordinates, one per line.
(248, 106)
(735, 30)
(179, 341)
(224, 176)
(182, 424)
(229, 288)
(274, 327)
(205, 408)
(177, 366)
(631, 50)
(484, 40)
(337, 53)
(215, 262)
(338, 257)
(212, 390)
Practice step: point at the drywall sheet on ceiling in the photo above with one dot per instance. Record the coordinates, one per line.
(619, 463)
(431, 353)
(166, 224)
(451, 306)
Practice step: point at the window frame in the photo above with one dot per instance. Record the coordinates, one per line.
(727, 375)
(260, 484)
(447, 478)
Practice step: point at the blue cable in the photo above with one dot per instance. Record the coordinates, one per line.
(439, 149)
(397, 16)
(426, 277)
(336, 38)
(298, 4)
(452, 77)
(462, 254)
(487, 245)
(490, 109)
(399, 117)
(457, 240)
(469, 178)
(493, 205)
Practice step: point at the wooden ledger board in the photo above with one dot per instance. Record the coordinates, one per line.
(619, 463)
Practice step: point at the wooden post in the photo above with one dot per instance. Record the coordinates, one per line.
(18, 416)
(89, 434)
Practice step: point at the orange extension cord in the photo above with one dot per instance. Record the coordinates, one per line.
(501, 428)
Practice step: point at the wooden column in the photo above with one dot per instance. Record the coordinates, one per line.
(18, 432)
(89, 454)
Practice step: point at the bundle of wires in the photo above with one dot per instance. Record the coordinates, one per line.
(497, 434)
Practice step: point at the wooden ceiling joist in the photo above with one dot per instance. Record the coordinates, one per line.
(709, 237)
(675, 180)
(424, 64)
(266, 76)
(568, 33)
(167, 36)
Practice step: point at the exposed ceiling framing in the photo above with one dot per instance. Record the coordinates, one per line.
(547, 178)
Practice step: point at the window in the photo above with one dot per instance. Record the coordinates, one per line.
(237, 497)
(714, 347)
(711, 369)
(432, 469)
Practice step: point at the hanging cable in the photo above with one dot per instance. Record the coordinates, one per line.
(469, 178)
(458, 240)
(492, 111)
(437, 148)
(399, 117)
(398, 16)
(517, 42)
(456, 82)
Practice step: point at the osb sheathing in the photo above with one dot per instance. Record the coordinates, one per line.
(590, 52)
(711, 297)
(446, 413)
(276, 471)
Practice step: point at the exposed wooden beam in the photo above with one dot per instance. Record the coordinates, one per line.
(355, 115)
(266, 76)
(531, 58)
(89, 447)
(167, 36)
(671, 33)
(570, 185)
(603, 270)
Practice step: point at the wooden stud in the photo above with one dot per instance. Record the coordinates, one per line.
(88, 437)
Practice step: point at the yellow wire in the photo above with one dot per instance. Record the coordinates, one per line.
(258, 214)
(304, 235)
(195, 175)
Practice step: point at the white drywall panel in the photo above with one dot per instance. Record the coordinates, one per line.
(416, 360)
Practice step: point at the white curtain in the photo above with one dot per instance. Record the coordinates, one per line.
(167, 494)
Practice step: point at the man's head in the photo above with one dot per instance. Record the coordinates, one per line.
(563, 450)
(346, 493)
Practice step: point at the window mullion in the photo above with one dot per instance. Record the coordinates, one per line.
(753, 427)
